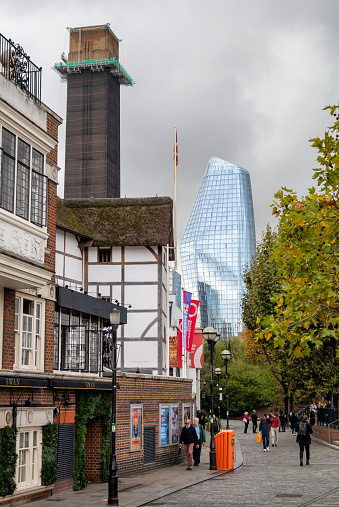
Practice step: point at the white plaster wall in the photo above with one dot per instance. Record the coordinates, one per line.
(59, 240)
(139, 254)
(92, 254)
(21, 102)
(142, 354)
(105, 290)
(104, 273)
(141, 273)
(142, 297)
(116, 254)
(137, 323)
(59, 264)
(72, 245)
(73, 269)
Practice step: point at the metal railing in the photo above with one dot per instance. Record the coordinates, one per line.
(16, 66)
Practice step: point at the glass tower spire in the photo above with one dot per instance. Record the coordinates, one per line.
(219, 240)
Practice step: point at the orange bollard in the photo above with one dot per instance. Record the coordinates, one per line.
(220, 441)
(230, 450)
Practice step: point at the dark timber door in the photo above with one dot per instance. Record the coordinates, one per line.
(149, 444)
(65, 451)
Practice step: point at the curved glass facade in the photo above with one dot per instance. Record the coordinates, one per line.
(219, 240)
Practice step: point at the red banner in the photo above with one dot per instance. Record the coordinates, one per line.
(196, 356)
(192, 318)
(197, 353)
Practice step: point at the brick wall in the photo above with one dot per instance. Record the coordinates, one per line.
(8, 330)
(150, 392)
(93, 448)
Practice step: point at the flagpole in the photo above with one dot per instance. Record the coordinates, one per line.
(175, 197)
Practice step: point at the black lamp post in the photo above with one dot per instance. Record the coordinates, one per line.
(226, 355)
(113, 468)
(211, 335)
(217, 371)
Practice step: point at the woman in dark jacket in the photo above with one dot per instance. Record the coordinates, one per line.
(304, 430)
(293, 422)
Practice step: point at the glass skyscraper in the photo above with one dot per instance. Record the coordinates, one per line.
(219, 240)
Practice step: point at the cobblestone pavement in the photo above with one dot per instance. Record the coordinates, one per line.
(273, 478)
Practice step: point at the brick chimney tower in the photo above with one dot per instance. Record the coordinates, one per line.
(94, 76)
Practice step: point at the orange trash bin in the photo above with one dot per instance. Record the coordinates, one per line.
(220, 442)
(230, 450)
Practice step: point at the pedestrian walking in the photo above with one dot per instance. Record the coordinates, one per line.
(189, 439)
(264, 427)
(275, 425)
(246, 421)
(282, 418)
(293, 422)
(201, 438)
(215, 424)
(254, 418)
(304, 430)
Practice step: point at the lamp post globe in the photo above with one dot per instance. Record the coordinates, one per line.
(226, 355)
(211, 335)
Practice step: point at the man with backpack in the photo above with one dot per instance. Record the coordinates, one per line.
(304, 430)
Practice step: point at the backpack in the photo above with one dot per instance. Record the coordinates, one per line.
(302, 429)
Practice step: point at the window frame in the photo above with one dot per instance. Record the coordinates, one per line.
(23, 183)
(33, 458)
(34, 349)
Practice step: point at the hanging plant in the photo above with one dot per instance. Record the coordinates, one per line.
(8, 459)
(89, 406)
(49, 453)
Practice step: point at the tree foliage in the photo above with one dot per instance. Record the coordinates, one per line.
(249, 385)
(306, 255)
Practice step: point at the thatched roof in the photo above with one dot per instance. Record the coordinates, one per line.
(119, 222)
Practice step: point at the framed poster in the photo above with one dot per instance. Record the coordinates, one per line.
(164, 424)
(186, 412)
(135, 427)
(175, 424)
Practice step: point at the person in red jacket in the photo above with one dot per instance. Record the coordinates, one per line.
(275, 425)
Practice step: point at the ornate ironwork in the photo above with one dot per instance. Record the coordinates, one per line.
(17, 66)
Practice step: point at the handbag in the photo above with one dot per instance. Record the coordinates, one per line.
(259, 438)
(244, 420)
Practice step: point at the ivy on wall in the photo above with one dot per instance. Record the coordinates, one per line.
(49, 453)
(89, 406)
(8, 459)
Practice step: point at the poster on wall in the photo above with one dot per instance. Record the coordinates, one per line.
(136, 427)
(186, 413)
(164, 425)
(175, 424)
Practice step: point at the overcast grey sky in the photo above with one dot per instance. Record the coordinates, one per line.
(244, 81)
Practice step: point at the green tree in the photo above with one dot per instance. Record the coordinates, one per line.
(306, 255)
(249, 385)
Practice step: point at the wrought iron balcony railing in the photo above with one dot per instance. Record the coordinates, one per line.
(16, 66)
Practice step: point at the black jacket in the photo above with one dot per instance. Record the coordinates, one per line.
(264, 425)
(306, 439)
(189, 436)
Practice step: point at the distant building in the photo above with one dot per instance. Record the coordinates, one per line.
(219, 240)
(94, 75)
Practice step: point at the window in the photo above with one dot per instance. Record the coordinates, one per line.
(28, 467)
(23, 185)
(77, 341)
(104, 255)
(28, 333)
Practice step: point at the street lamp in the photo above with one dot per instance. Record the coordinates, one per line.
(211, 335)
(217, 371)
(226, 355)
(113, 499)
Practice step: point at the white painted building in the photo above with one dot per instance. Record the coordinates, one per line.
(116, 249)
